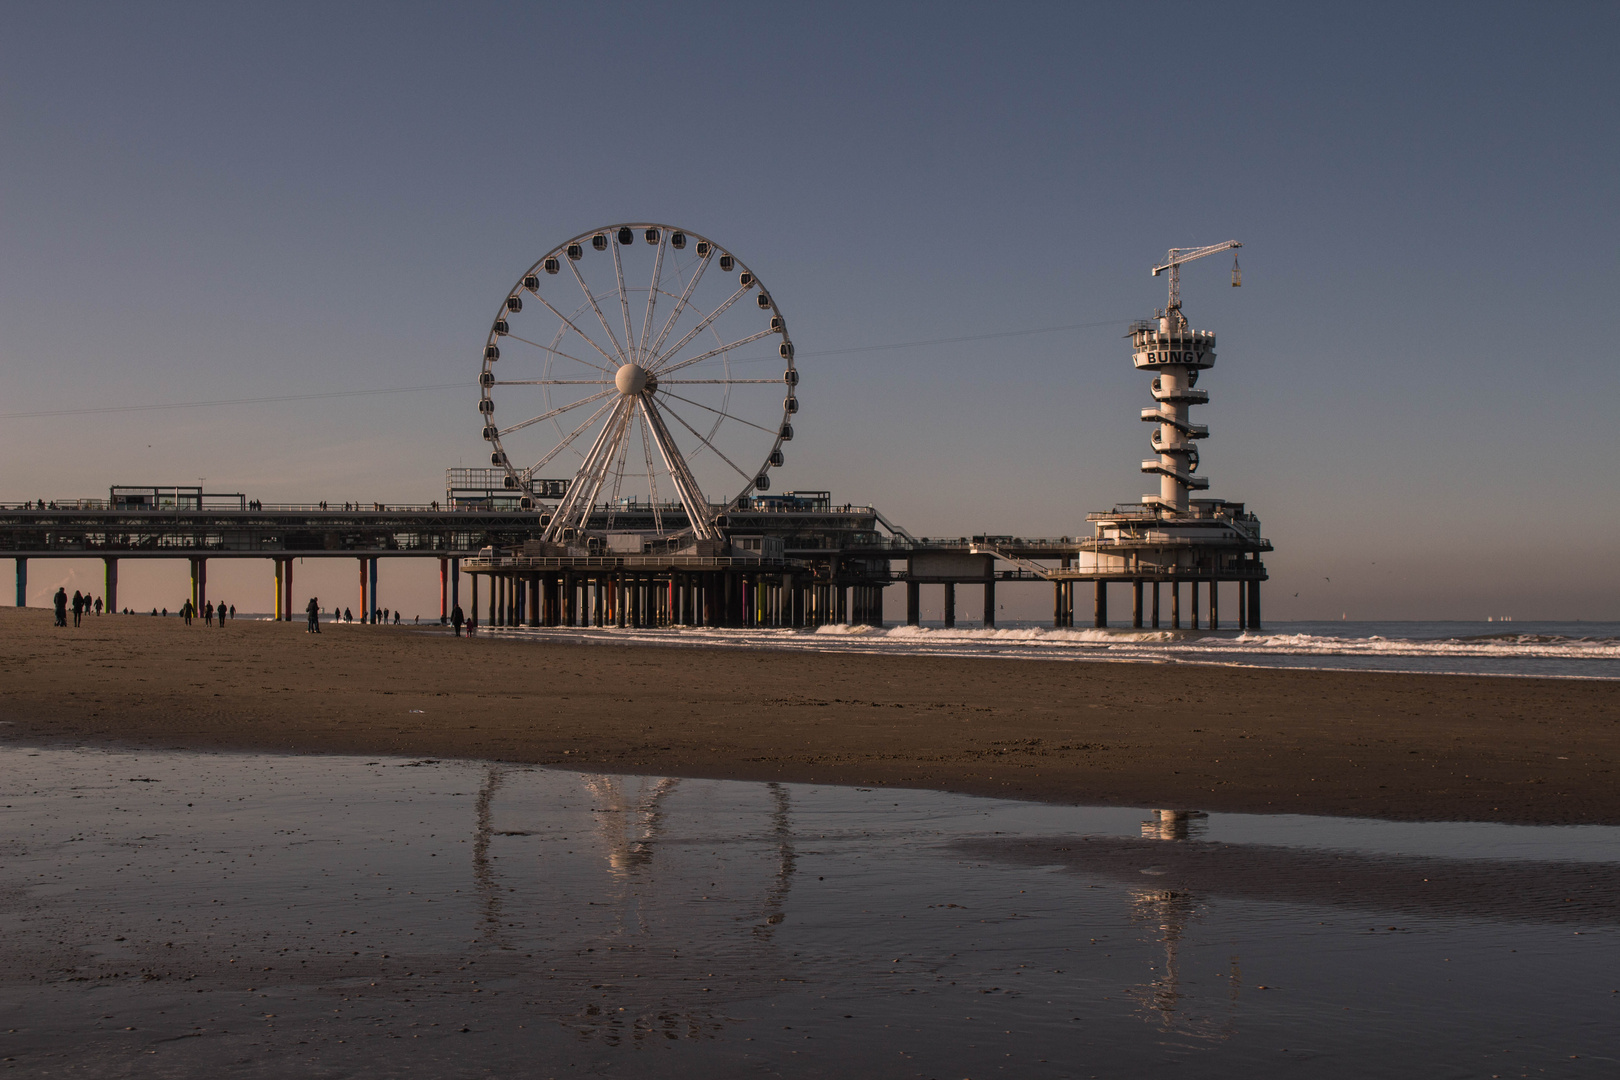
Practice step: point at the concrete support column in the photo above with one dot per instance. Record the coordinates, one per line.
(1155, 605)
(371, 599)
(286, 590)
(1243, 605)
(989, 603)
(444, 590)
(1192, 587)
(1100, 604)
(455, 584)
(199, 585)
(1057, 605)
(913, 603)
(472, 612)
(22, 582)
(1136, 603)
(950, 604)
(1214, 605)
(1175, 605)
(494, 599)
(534, 600)
(277, 602)
(109, 588)
(365, 586)
(1254, 604)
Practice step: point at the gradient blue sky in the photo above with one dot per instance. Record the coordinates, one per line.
(1415, 389)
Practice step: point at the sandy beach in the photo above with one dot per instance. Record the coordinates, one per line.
(1419, 747)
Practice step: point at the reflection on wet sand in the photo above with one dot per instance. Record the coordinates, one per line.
(1513, 891)
(645, 960)
(1169, 912)
(232, 915)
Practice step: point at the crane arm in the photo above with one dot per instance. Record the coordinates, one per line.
(1185, 255)
(1173, 263)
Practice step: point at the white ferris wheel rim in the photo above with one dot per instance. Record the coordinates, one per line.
(634, 376)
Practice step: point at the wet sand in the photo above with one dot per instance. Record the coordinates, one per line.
(1419, 747)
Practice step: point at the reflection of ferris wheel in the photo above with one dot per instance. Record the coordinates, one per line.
(649, 395)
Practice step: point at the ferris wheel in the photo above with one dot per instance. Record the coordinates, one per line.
(600, 394)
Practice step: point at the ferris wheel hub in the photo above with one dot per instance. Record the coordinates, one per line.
(632, 379)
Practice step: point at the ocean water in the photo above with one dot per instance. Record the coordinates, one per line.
(1549, 649)
(227, 915)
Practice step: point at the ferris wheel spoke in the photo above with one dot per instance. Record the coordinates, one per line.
(558, 352)
(713, 382)
(719, 412)
(699, 328)
(567, 382)
(570, 322)
(699, 514)
(554, 412)
(568, 440)
(590, 296)
(707, 443)
(680, 304)
(688, 362)
(652, 298)
(624, 303)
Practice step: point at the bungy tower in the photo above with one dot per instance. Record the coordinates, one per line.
(1171, 538)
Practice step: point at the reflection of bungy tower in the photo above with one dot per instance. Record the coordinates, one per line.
(1169, 537)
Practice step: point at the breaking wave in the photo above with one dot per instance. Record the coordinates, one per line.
(1422, 648)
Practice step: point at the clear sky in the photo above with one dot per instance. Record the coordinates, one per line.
(1415, 391)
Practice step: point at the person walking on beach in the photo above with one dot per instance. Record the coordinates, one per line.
(61, 602)
(233, 611)
(457, 617)
(208, 613)
(78, 606)
(314, 611)
(348, 616)
(185, 611)
(98, 607)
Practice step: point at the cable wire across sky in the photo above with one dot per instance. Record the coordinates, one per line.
(281, 398)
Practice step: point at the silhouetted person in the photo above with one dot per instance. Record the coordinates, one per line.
(348, 616)
(233, 611)
(457, 617)
(78, 606)
(314, 612)
(61, 602)
(208, 613)
(98, 607)
(186, 611)
(396, 616)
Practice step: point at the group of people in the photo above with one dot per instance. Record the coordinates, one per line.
(81, 604)
(313, 610)
(188, 611)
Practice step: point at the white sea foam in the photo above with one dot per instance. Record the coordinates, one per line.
(1553, 654)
